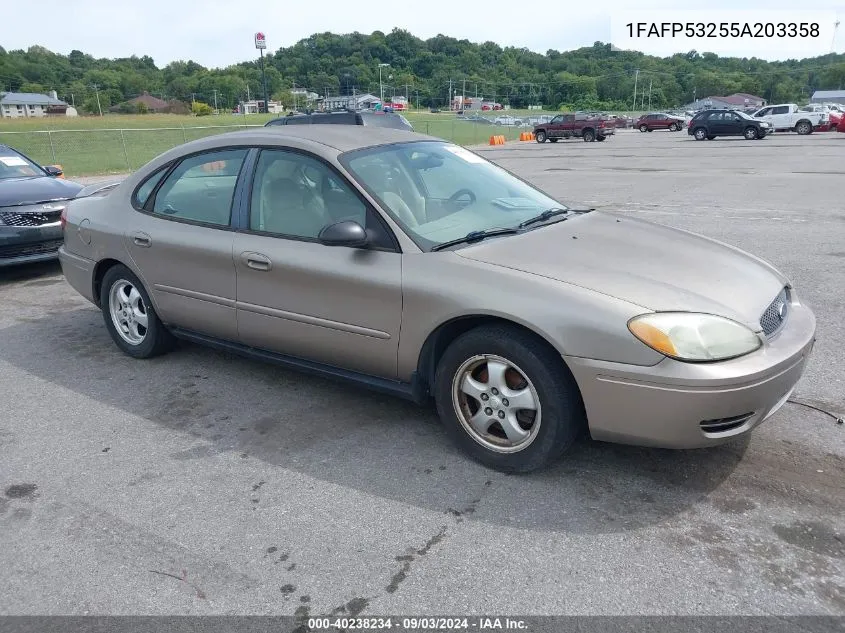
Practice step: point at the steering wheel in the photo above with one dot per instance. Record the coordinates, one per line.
(460, 193)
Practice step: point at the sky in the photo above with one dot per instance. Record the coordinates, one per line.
(220, 32)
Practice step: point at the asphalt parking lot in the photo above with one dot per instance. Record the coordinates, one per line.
(203, 483)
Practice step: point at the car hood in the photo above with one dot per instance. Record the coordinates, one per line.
(651, 265)
(16, 191)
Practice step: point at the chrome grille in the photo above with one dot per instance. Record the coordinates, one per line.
(775, 315)
(12, 218)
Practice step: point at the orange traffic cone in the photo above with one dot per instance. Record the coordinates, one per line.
(494, 140)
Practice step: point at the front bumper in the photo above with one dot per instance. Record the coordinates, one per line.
(692, 405)
(29, 244)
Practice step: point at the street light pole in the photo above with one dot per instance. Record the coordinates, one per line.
(380, 85)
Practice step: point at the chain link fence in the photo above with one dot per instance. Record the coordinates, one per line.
(106, 151)
(122, 150)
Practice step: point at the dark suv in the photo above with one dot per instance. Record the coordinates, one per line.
(346, 117)
(708, 124)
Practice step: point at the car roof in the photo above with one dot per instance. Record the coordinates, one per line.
(324, 140)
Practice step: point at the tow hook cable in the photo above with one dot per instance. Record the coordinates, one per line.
(838, 419)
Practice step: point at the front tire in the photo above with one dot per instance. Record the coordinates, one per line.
(552, 140)
(507, 399)
(750, 133)
(643, 128)
(130, 317)
(540, 136)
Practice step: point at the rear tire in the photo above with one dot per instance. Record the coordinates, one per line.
(804, 127)
(674, 127)
(472, 396)
(589, 136)
(540, 136)
(700, 134)
(130, 317)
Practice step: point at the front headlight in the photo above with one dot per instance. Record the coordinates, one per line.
(689, 336)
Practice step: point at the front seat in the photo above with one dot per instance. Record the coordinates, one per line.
(375, 177)
(288, 209)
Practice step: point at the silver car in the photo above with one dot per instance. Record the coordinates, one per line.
(418, 268)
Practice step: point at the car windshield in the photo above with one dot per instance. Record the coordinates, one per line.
(439, 192)
(13, 165)
(743, 115)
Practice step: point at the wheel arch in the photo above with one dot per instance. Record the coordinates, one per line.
(444, 334)
(106, 264)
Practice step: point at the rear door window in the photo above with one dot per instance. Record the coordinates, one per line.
(201, 188)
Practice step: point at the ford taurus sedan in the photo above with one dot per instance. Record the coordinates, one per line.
(418, 268)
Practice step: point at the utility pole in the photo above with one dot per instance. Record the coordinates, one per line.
(380, 84)
(649, 94)
(215, 101)
(97, 91)
(464, 95)
(449, 100)
(636, 77)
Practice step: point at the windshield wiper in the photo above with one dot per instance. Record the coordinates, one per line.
(549, 214)
(475, 236)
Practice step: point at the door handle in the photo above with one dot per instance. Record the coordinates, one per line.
(257, 261)
(142, 239)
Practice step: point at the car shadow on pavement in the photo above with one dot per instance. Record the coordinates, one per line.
(347, 436)
(14, 274)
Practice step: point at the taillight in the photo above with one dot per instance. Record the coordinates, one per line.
(63, 218)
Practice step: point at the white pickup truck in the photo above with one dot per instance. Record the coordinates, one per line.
(788, 117)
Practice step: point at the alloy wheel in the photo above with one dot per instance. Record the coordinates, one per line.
(128, 312)
(496, 403)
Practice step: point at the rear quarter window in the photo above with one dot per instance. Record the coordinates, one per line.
(142, 193)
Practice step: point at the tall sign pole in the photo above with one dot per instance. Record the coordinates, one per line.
(261, 44)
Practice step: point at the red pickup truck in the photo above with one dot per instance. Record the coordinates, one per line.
(590, 127)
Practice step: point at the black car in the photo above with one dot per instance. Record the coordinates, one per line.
(32, 199)
(366, 117)
(708, 124)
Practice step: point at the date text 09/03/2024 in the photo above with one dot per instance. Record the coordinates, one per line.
(417, 624)
(724, 29)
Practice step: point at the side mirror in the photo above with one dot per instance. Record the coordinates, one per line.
(346, 233)
(54, 170)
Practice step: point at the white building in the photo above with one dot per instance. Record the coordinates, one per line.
(257, 105)
(828, 96)
(363, 101)
(29, 104)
